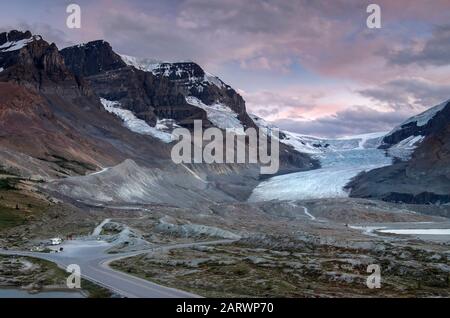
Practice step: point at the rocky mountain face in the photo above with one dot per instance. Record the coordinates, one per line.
(192, 80)
(54, 125)
(145, 94)
(30, 61)
(423, 175)
(155, 90)
(427, 123)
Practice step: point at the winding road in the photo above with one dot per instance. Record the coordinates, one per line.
(94, 264)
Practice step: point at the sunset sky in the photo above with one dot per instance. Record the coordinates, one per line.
(311, 67)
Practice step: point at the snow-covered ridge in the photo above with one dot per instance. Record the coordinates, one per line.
(219, 115)
(317, 145)
(143, 64)
(17, 45)
(175, 70)
(423, 118)
(133, 123)
(404, 148)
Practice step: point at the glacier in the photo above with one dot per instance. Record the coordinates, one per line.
(338, 168)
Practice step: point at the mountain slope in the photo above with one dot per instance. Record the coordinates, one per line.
(148, 96)
(423, 175)
(82, 119)
(159, 91)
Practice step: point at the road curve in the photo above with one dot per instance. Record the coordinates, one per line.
(97, 270)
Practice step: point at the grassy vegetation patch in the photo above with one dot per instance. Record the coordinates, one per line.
(10, 218)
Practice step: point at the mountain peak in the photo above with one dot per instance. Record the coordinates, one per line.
(28, 58)
(92, 58)
(14, 36)
(15, 40)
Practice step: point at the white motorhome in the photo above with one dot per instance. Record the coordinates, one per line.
(55, 241)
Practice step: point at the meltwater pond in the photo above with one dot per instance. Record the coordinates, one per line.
(338, 168)
(19, 293)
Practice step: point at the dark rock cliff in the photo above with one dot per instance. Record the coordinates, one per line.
(147, 95)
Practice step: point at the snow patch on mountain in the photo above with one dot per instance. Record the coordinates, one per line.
(17, 45)
(166, 124)
(212, 79)
(423, 118)
(219, 115)
(318, 145)
(175, 70)
(414, 125)
(404, 149)
(305, 144)
(133, 123)
(143, 64)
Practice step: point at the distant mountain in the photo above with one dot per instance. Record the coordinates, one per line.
(421, 173)
(318, 145)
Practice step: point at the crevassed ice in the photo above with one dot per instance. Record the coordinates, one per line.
(133, 123)
(338, 168)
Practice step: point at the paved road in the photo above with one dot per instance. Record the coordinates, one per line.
(94, 264)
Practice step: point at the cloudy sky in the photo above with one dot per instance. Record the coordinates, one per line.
(309, 66)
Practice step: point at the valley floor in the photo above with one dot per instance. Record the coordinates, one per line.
(316, 248)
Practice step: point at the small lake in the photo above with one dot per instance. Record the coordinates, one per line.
(19, 293)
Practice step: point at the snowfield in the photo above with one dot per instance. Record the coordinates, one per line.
(318, 145)
(143, 64)
(133, 123)
(167, 69)
(219, 115)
